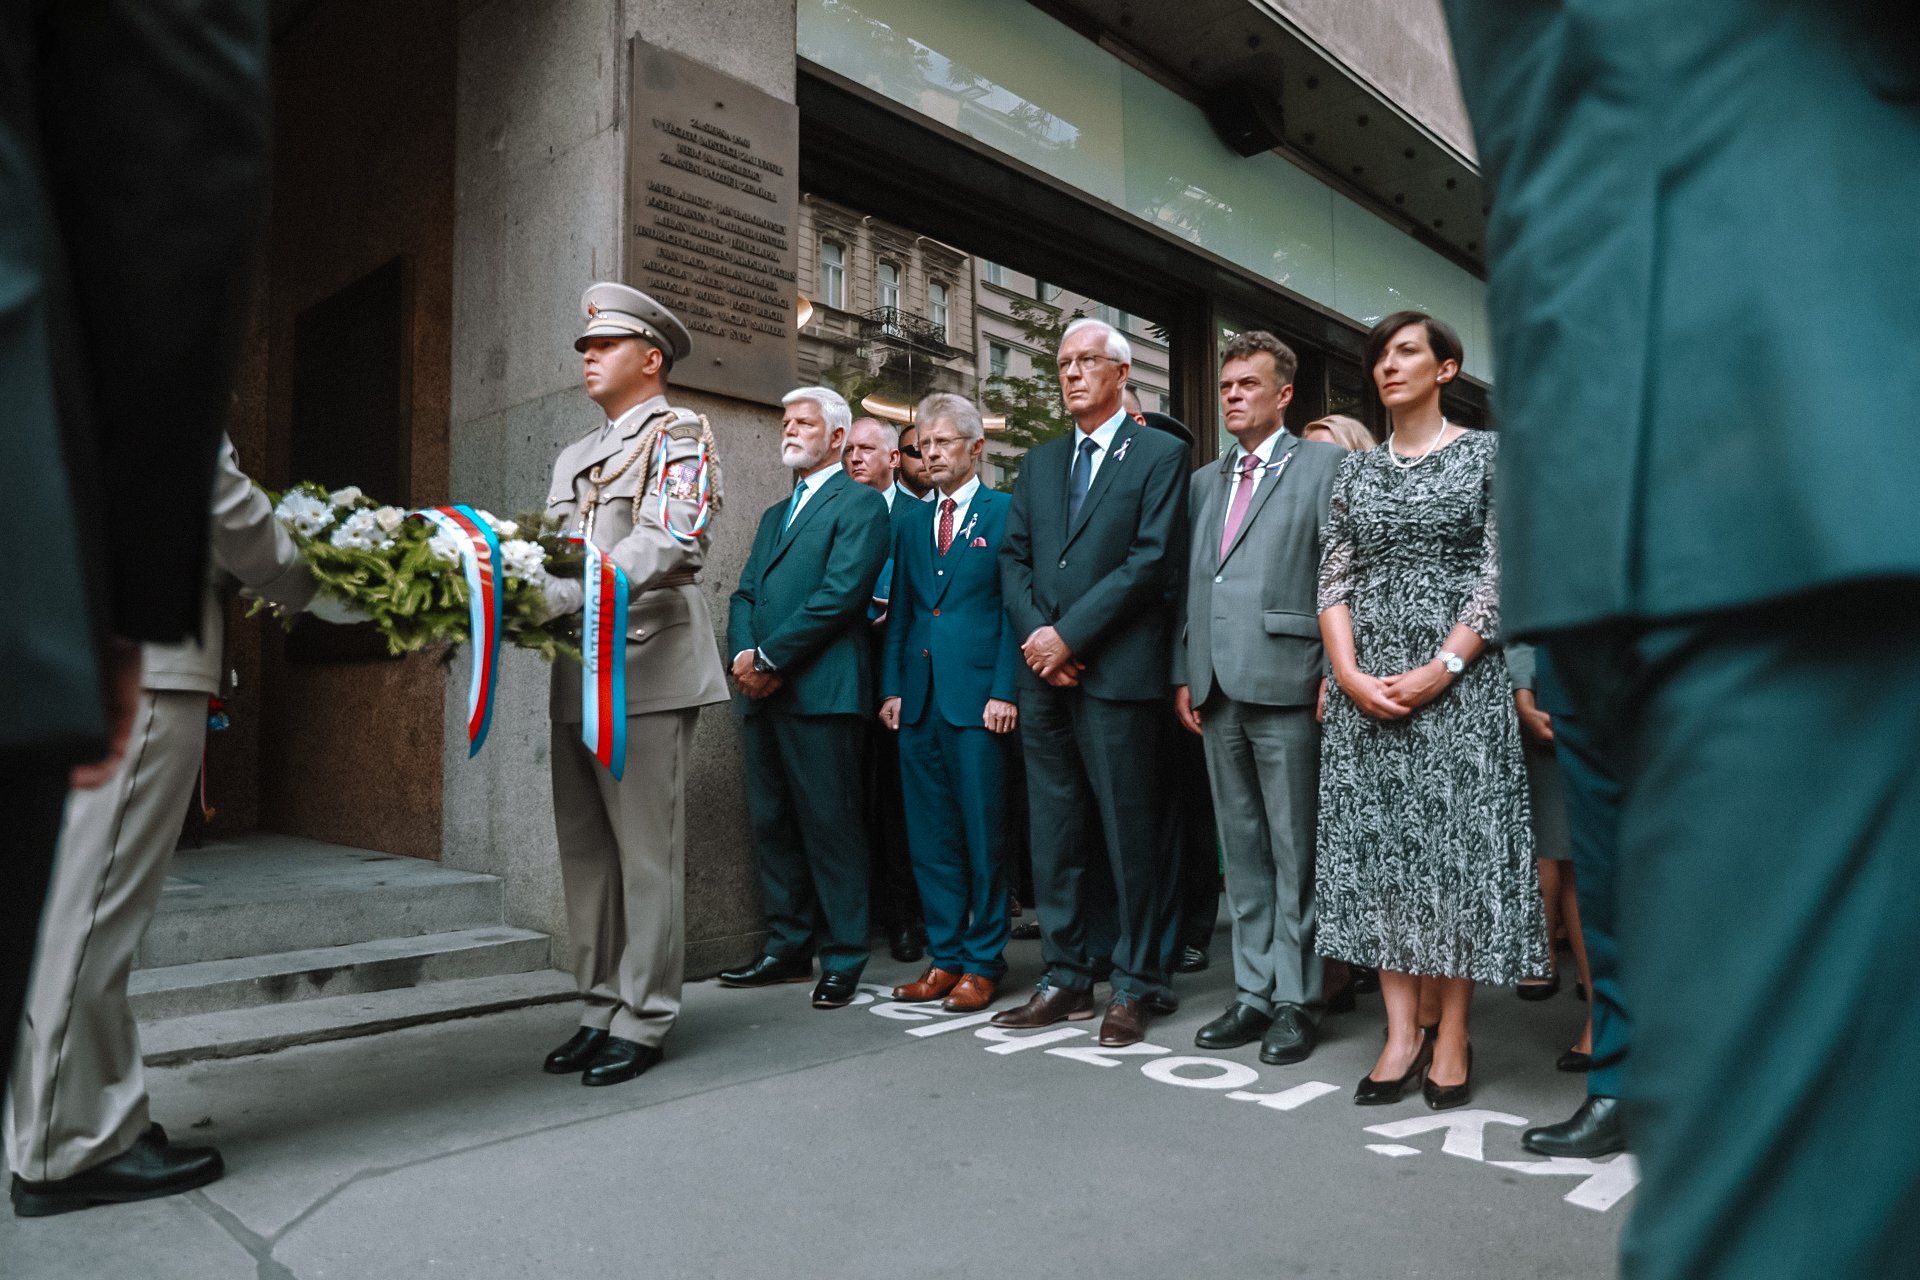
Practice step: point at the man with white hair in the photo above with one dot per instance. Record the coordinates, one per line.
(803, 665)
(1096, 535)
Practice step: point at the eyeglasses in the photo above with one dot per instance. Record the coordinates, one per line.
(911, 451)
(1071, 363)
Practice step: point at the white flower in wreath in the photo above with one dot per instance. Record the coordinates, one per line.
(346, 497)
(305, 514)
(358, 532)
(444, 548)
(523, 559)
(501, 528)
(389, 518)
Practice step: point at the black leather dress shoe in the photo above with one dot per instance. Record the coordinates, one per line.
(1593, 1130)
(1539, 990)
(903, 943)
(1191, 960)
(1162, 1004)
(1240, 1024)
(835, 990)
(767, 972)
(1365, 981)
(1381, 1093)
(1574, 1061)
(1446, 1097)
(619, 1061)
(576, 1053)
(1289, 1039)
(147, 1170)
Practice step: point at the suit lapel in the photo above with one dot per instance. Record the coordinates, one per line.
(977, 512)
(1116, 458)
(828, 492)
(1268, 483)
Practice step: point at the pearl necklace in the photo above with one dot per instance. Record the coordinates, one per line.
(1394, 458)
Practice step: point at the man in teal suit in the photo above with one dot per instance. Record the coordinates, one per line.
(1703, 271)
(804, 666)
(948, 686)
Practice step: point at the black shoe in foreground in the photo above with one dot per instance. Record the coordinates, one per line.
(1191, 960)
(835, 991)
(1290, 1038)
(619, 1061)
(1536, 991)
(1593, 1130)
(147, 1170)
(576, 1053)
(1240, 1024)
(1446, 1097)
(1381, 1093)
(1573, 1061)
(767, 972)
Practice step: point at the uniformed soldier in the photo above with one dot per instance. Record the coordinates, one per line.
(623, 840)
(77, 1127)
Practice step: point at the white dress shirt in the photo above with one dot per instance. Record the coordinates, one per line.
(1265, 453)
(888, 493)
(1103, 437)
(962, 499)
(811, 485)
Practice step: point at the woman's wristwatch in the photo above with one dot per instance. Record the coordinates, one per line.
(1452, 661)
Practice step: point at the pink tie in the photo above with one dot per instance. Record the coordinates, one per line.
(1242, 495)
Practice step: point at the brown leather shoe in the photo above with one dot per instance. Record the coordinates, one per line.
(974, 993)
(1049, 1005)
(1125, 1023)
(933, 984)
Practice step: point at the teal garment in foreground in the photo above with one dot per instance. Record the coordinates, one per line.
(1704, 264)
(1768, 908)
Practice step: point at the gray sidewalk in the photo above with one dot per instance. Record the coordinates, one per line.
(880, 1140)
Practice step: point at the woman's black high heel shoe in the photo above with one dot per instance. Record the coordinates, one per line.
(1443, 1097)
(1382, 1093)
(1574, 1061)
(1539, 990)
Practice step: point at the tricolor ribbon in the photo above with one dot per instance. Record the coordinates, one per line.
(603, 653)
(486, 605)
(702, 496)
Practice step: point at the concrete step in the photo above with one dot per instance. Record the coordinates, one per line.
(270, 893)
(235, 1033)
(385, 964)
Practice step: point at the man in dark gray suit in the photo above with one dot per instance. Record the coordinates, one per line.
(1095, 538)
(1247, 672)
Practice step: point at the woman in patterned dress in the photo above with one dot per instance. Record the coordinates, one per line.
(1425, 862)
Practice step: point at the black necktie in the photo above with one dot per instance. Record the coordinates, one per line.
(1081, 478)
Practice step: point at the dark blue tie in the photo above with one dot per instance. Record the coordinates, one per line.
(1081, 478)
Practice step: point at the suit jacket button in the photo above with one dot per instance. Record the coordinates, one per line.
(1063, 564)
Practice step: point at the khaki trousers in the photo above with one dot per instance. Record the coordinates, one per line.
(623, 867)
(79, 1096)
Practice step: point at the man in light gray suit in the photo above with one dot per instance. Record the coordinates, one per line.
(1247, 671)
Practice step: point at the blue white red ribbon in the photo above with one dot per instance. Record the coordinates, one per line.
(603, 654)
(702, 493)
(486, 607)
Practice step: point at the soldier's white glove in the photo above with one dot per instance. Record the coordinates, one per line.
(564, 595)
(338, 612)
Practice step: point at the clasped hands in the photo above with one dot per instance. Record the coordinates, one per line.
(1398, 696)
(999, 716)
(1049, 658)
(755, 684)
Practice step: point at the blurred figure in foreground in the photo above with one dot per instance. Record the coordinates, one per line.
(1702, 274)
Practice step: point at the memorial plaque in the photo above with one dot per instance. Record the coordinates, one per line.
(713, 195)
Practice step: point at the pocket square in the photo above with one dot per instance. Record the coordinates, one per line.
(978, 542)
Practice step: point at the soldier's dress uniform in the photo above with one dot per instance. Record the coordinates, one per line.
(78, 1096)
(623, 842)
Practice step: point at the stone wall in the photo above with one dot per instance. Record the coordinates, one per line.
(540, 156)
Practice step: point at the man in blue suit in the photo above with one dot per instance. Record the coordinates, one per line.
(948, 685)
(804, 665)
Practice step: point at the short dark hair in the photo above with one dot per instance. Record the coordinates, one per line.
(1242, 345)
(1444, 342)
